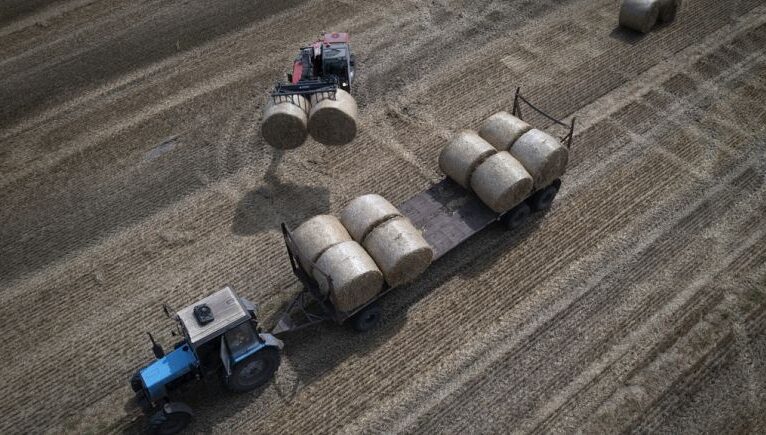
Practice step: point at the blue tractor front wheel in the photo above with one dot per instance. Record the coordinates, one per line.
(171, 418)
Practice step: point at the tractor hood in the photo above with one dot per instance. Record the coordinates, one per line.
(162, 371)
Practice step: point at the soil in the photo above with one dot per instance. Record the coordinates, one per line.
(132, 173)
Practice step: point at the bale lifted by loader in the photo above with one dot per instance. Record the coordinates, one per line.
(317, 97)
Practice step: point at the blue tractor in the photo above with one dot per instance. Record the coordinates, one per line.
(221, 337)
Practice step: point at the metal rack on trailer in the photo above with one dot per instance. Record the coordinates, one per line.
(446, 213)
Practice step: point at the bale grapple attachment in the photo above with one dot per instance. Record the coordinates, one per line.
(316, 99)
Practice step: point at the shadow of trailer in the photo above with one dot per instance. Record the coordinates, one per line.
(447, 215)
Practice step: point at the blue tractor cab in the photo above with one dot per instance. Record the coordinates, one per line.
(221, 338)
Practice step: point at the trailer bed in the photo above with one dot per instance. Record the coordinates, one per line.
(447, 214)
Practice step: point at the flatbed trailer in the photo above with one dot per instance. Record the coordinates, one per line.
(447, 215)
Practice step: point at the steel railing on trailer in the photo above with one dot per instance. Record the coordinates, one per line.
(518, 98)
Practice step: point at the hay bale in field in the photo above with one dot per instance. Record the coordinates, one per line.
(502, 129)
(284, 124)
(542, 155)
(354, 275)
(501, 182)
(333, 122)
(366, 212)
(315, 236)
(668, 10)
(399, 250)
(462, 155)
(639, 15)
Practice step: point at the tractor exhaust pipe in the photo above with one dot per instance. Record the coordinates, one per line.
(156, 348)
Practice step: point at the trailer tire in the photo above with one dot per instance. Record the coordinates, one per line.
(367, 319)
(172, 418)
(517, 216)
(543, 198)
(254, 371)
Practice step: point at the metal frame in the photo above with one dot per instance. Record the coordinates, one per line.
(517, 113)
(326, 87)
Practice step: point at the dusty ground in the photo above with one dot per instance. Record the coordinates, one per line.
(132, 174)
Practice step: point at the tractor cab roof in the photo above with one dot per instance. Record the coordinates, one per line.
(212, 316)
(334, 38)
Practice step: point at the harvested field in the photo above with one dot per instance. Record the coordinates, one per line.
(133, 173)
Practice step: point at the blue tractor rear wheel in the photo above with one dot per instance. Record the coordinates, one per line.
(254, 371)
(170, 419)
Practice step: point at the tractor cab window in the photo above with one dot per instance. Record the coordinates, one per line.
(334, 60)
(241, 339)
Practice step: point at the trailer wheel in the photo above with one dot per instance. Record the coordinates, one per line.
(367, 319)
(254, 371)
(517, 216)
(170, 419)
(543, 199)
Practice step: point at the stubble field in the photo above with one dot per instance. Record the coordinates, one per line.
(132, 173)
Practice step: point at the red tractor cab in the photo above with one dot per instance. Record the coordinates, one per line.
(328, 59)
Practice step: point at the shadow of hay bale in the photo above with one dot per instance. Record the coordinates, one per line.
(277, 201)
(626, 35)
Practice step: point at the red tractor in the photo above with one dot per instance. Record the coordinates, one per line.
(329, 59)
(317, 97)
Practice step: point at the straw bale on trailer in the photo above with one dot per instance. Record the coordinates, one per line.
(284, 124)
(354, 275)
(462, 155)
(639, 15)
(315, 236)
(399, 249)
(333, 121)
(501, 182)
(502, 129)
(542, 155)
(366, 212)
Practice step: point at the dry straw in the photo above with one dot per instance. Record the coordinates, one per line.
(542, 155)
(639, 15)
(315, 236)
(501, 182)
(462, 155)
(284, 124)
(366, 212)
(502, 129)
(354, 275)
(399, 250)
(333, 121)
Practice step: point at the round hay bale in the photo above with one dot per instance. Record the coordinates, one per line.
(639, 15)
(668, 10)
(366, 212)
(315, 236)
(542, 155)
(462, 155)
(501, 182)
(502, 129)
(399, 250)
(333, 122)
(354, 275)
(284, 124)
